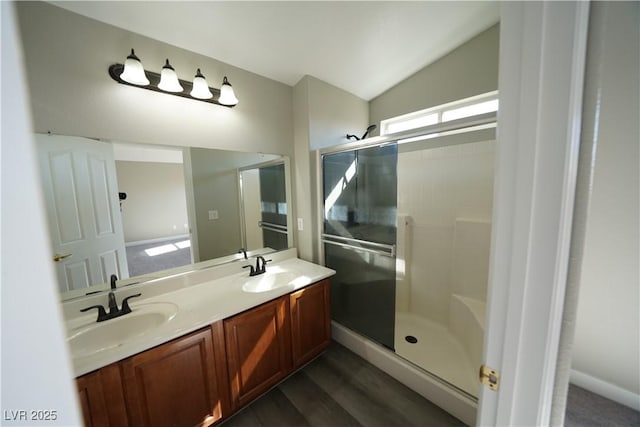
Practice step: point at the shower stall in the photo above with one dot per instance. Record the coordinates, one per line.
(407, 227)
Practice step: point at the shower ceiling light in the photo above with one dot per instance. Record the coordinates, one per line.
(132, 73)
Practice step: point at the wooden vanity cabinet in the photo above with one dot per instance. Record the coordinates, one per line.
(180, 383)
(101, 398)
(198, 379)
(258, 350)
(310, 322)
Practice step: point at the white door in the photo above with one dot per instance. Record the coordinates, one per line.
(81, 195)
(251, 212)
(542, 54)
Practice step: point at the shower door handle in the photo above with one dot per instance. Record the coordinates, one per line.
(273, 227)
(361, 245)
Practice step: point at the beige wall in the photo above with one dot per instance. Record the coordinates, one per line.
(607, 340)
(469, 70)
(156, 204)
(67, 57)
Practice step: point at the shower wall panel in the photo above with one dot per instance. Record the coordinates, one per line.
(470, 264)
(448, 193)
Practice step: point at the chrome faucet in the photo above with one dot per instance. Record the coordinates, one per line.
(114, 311)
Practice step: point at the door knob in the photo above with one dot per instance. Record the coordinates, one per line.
(59, 257)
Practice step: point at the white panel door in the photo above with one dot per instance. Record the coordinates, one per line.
(542, 54)
(80, 188)
(250, 184)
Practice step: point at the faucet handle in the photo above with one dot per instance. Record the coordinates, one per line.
(102, 313)
(125, 304)
(252, 272)
(261, 267)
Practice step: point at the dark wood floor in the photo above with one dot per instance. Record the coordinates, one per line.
(341, 389)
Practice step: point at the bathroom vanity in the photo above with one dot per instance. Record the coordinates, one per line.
(211, 342)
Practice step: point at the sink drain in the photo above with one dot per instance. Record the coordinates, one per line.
(411, 339)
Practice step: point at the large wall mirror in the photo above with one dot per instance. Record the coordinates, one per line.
(142, 211)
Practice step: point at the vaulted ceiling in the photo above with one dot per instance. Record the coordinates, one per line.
(362, 47)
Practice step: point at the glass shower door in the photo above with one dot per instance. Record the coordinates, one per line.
(359, 238)
(273, 206)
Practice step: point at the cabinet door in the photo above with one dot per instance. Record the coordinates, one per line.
(310, 322)
(258, 350)
(101, 398)
(180, 383)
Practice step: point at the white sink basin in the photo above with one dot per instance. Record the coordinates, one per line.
(269, 281)
(96, 337)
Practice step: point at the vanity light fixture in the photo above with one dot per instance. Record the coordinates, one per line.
(169, 79)
(132, 73)
(227, 95)
(200, 87)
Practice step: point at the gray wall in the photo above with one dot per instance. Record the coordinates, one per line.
(67, 57)
(156, 205)
(215, 187)
(606, 348)
(323, 115)
(469, 70)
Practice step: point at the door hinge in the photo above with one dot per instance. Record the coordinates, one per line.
(489, 377)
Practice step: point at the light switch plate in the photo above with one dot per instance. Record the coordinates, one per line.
(300, 224)
(213, 215)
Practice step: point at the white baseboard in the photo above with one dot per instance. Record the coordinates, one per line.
(157, 240)
(605, 389)
(449, 399)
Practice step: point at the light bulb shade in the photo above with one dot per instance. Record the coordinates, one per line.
(169, 79)
(133, 71)
(227, 95)
(200, 87)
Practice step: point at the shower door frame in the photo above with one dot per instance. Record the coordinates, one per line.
(289, 229)
(462, 131)
(461, 126)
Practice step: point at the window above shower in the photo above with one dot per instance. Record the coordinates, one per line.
(467, 108)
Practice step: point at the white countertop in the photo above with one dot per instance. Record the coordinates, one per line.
(198, 299)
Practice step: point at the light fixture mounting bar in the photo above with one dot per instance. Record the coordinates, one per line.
(154, 78)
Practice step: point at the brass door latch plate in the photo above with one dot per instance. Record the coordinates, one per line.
(489, 377)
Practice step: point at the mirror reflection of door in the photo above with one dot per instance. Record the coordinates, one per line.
(154, 213)
(264, 206)
(250, 184)
(80, 190)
